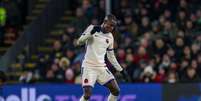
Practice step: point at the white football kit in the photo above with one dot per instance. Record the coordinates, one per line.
(93, 66)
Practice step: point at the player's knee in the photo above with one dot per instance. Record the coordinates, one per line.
(115, 92)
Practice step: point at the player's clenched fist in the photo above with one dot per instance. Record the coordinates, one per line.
(95, 29)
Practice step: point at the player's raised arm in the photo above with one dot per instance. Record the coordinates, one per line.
(87, 34)
(111, 57)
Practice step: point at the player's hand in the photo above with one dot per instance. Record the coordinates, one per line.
(125, 75)
(119, 69)
(95, 29)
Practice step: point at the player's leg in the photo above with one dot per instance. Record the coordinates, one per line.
(114, 90)
(107, 79)
(87, 93)
(89, 77)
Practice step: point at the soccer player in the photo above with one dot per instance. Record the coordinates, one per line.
(99, 42)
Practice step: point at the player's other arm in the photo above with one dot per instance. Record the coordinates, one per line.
(111, 57)
(87, 34)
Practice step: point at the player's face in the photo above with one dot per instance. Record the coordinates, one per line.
(108, 26)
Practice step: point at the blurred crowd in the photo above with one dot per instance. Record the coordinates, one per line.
(157, 41)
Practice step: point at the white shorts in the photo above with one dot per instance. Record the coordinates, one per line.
(100, 74)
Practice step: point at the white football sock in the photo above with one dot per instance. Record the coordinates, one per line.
(82, 99)
(112, 97)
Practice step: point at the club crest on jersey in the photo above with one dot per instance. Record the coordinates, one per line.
(86, 80)
(107, 41)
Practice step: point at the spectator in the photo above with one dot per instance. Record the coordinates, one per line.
(69, 76)
(88, 8)
(58, 72)
(169, 30)
(172, 77)
(181, 19)
(138, 71)
(190, 76)
(179, 45)
(195, 50)
(159, 47)
(187, 53)
(148, 74)
(141, 55)
(80, 17)
(145, 25)
(64, 63)
(165, 63)
(160, 76)
(129, 26)
(50, 76)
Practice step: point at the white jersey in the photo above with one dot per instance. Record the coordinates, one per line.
(96, 48)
